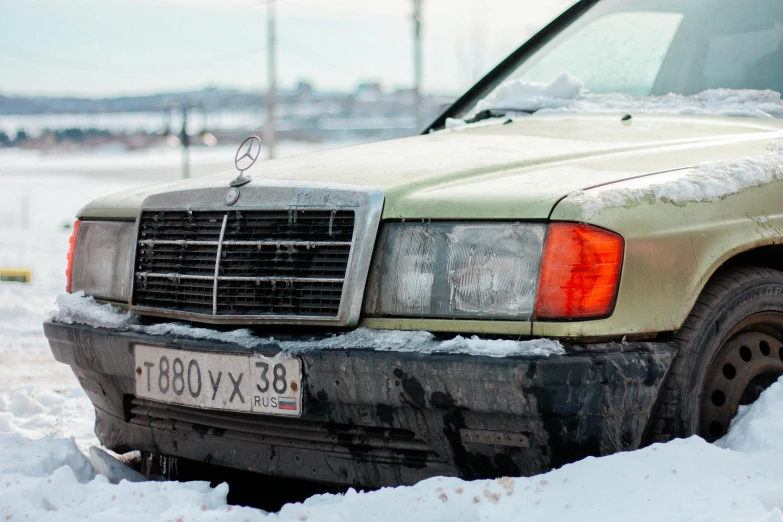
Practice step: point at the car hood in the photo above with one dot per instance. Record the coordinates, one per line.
(514, 170)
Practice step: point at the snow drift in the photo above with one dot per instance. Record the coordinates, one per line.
(739, 478)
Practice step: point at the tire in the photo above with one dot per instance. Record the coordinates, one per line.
(730, 350)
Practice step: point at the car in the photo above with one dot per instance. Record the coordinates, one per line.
(582, 255)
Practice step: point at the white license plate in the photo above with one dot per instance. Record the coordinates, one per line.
(246, 383)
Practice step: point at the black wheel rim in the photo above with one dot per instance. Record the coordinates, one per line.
(747, 363)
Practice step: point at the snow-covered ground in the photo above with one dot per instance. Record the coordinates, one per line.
(46, 421)
(45, 476)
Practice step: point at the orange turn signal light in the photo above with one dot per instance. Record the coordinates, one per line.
(71, 250)
(580, 272)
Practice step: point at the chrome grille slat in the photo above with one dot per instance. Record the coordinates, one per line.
(241, 278)
(217, 265)
(243, 262)
(153, 242)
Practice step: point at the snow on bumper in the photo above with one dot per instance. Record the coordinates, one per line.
(377, 418)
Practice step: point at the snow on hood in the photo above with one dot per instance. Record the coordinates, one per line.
(533, 96)
(77, 309)
(706, 182)
(566, 94)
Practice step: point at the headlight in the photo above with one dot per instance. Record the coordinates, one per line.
(101, 260)
(456, 270)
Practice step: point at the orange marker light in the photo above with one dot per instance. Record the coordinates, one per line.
(71, 249)
(580, 272)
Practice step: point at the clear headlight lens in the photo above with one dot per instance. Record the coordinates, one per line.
(456, 270)
(103, 259)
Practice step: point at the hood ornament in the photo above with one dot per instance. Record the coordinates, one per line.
(246, 156)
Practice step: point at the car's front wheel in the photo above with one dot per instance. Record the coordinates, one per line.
(730, 350)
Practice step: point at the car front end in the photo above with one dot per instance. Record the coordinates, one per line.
(296, 264)
(495, 297)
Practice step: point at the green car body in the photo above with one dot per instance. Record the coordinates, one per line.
(529, 170)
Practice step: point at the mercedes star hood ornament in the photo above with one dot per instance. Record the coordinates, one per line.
(246, 156)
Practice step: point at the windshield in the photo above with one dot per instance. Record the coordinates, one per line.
(657, 47)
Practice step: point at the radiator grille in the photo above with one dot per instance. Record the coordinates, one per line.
(279, 263)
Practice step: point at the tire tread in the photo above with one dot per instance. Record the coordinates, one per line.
(717, 290)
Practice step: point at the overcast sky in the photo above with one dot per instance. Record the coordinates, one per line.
(109, 47)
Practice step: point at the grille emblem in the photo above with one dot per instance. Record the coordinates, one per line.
(232, 196)
(246, 156)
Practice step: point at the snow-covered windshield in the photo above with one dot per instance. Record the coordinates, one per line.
(657, 47)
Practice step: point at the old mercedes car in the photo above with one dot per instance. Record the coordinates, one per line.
(582, 255)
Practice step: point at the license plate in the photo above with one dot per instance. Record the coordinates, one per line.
(245, 383)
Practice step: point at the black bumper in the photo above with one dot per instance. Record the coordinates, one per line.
(386, 418)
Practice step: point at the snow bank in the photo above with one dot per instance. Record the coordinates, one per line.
(45, 476)
(49, 454)
(757, 428)
(740, 478)
(31, 413)
(686, 480)
(61, 497)
(706, 182)
(566, 95)
(76, 308)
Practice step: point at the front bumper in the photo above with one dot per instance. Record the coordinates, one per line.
(386, 418)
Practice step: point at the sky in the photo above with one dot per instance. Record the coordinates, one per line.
(104, 48)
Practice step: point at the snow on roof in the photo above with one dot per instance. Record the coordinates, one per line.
(76, 308)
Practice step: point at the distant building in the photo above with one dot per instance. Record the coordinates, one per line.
(368, 92)
(304, 91)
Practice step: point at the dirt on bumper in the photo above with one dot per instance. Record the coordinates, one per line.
(375, 418)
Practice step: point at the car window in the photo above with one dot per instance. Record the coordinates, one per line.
(731, 58)
(621, 52)
(657, 47)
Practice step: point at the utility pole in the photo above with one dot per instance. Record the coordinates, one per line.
(417, 63)
(271, 95)
(184, 138)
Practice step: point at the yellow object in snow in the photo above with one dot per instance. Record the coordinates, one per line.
(13, 275)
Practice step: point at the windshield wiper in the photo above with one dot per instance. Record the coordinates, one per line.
(494, 113)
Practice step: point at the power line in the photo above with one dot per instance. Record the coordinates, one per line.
(311, 57)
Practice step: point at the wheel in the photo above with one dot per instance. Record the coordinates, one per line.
(730, 350)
